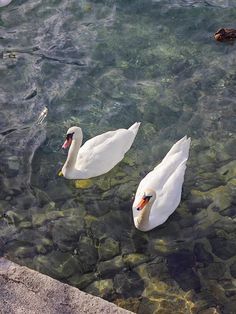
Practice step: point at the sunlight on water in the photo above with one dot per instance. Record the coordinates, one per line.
(103, 65)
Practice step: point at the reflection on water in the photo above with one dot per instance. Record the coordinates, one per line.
(103, 65)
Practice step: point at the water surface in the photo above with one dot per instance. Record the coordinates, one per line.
(104, 65)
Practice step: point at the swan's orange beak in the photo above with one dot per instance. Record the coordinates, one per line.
(143, 203)
(67, 143)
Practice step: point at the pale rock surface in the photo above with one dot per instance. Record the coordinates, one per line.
(26, 291)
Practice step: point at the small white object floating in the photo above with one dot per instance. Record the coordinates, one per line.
(99, 154)
(42, 116)
(4, 3)
(159, 193)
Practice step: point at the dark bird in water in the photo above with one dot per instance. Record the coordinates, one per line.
(225, 34)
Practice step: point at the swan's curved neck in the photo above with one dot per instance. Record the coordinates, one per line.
(72, 153)
(142, 221)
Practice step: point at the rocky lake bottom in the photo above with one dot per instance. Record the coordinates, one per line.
(103, 65)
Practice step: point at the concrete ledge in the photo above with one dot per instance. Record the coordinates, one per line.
(23, 290)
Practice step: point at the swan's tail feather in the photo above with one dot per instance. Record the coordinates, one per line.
(182, 145)
(134, 128)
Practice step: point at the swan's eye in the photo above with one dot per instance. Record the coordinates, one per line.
(69, 136)
(147, 197)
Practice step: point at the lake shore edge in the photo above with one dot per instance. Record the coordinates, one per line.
(27, 291)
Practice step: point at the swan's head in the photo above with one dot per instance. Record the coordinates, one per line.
(73, 133)
(148, 197)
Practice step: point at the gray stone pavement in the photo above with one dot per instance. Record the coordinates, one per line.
(25, 291)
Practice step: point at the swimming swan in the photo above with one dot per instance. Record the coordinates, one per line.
(99, 154)
(3, 3)
(159, 193)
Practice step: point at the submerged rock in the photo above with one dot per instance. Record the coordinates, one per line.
(156, 270)
(201, 254)
(228, 171)
(25, 224)
(128, 284)
(222, 247)
(148, 306)
(110, 225)
(219, 196)
(13, 163)
(66, 232)
(230, 212)
(130, 304)
(111, 267)
(181, 266)
(39, 219)
(24, 252)
(81, 281)
(140, 241)
(58, 265)
(135, 259)
(102, 288)
(44, 246)
(15, 217)
(127, 245)
(59, 192)
(108, 248)
(214, 271)
(87, 253)
(233, 269)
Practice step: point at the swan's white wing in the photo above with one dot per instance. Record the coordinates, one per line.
(97, 140)
(181, 146)
(102, 138)
(103, 152)
(157, 178)
(168, 201)
(159, 175)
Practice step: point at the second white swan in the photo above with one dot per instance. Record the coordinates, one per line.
(99, 154)
(4, 3)
(159, 193)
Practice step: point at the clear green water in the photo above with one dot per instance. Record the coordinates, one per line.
(104, 65)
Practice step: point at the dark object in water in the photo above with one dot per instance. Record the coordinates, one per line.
(225, 34)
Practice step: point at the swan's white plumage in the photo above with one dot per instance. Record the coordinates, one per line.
(101, 153)
(166, 179)
(4, 3)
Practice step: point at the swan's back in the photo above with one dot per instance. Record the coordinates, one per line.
(181, 146)
(101, 153)
(170, 198)
(157, 178)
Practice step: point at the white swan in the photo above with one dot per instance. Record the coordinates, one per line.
(159, 193)
(99, 154)
(3, 3)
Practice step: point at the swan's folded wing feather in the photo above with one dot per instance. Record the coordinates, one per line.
(182, 146)
(168, 201)
(98, 140)
(159, 175)
(102, 154)
(173, 187)
(170, 196)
